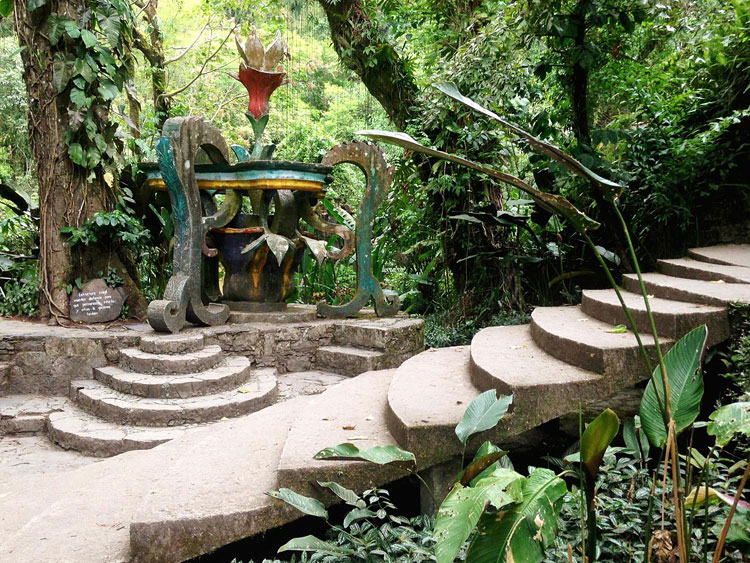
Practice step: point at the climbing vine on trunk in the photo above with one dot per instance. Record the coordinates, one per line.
(76, 57)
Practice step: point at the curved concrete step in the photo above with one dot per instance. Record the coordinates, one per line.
(121, 408)
(348, 360)
(427, 398)
(575, 338)
(507, 359)
(172, 343)
(74, 429)
(137, 360)
(729, 254)
(692, 291)
(696, 270)
(229, 374)
(673, 318)
(352, 411)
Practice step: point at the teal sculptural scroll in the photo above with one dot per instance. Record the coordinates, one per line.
(181, 139)
(371, 161)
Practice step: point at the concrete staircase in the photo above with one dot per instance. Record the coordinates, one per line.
(155, 393)
(565, 356)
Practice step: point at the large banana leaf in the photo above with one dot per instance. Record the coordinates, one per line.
(521, 532)
(483, 413)
(555, 204)
(685, 384)
(462, 508)
(610, 190)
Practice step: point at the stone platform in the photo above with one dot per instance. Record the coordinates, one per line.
(206, 487)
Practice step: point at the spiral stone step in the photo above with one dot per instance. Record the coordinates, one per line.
(122, 408)
(229, 374)
(427, 398)
(137, 360)
(577, 339)
(348, 360)
(693, 291)
(352, 411)
(507, 359)
(172, 343)
(697, 270)
(673, 318)
(75, 429)
(729, 254)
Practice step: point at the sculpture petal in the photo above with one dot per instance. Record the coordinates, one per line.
(254, 53)
(275, 52)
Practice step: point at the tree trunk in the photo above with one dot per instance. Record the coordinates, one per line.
(363, 48)
(66, 196)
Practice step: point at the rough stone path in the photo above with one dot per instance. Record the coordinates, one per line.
(205, 488)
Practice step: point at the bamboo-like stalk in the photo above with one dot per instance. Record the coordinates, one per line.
(725, 528)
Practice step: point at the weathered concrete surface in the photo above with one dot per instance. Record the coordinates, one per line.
(697, 270)
(507, 359)
(353, 411)
(349, 360)
(189, 496)
(172, 343)
(729, 254)
(673, 318)
(693, 291)
(27, 414)
(134, 359)
(575, 338)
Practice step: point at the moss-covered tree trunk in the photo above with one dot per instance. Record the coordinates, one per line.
(68, 194)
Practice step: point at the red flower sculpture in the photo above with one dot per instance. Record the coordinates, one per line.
(260, 71)
(260, 85)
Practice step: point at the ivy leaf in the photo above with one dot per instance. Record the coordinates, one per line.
(94, 157)
(54, 26)
(78, 97)
(83, 68)
(60, 73)
(71, 28)
(77, 154)
(6, 8)
(89, 39)
(110, 25)
(108, 91)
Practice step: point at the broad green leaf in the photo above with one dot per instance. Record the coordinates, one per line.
(596, 439)
(108, 91)
(618, 329)
(6, 8)
(555, 204)
(311, 543)
(456, 519)
(78, 97)
(307, 505)
(520, 533)
(380, 455)
(462, 508)
(347, 495)
(685, 384)
(71, 28)
(483, 413)
(77, 154)
(88, 37)
(611, 190)
(729, 420)
(357, 514)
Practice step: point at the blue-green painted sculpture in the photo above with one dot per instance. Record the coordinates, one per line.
(371, 161)
(177, 150)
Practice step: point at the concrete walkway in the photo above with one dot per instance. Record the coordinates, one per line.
(205, 488)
